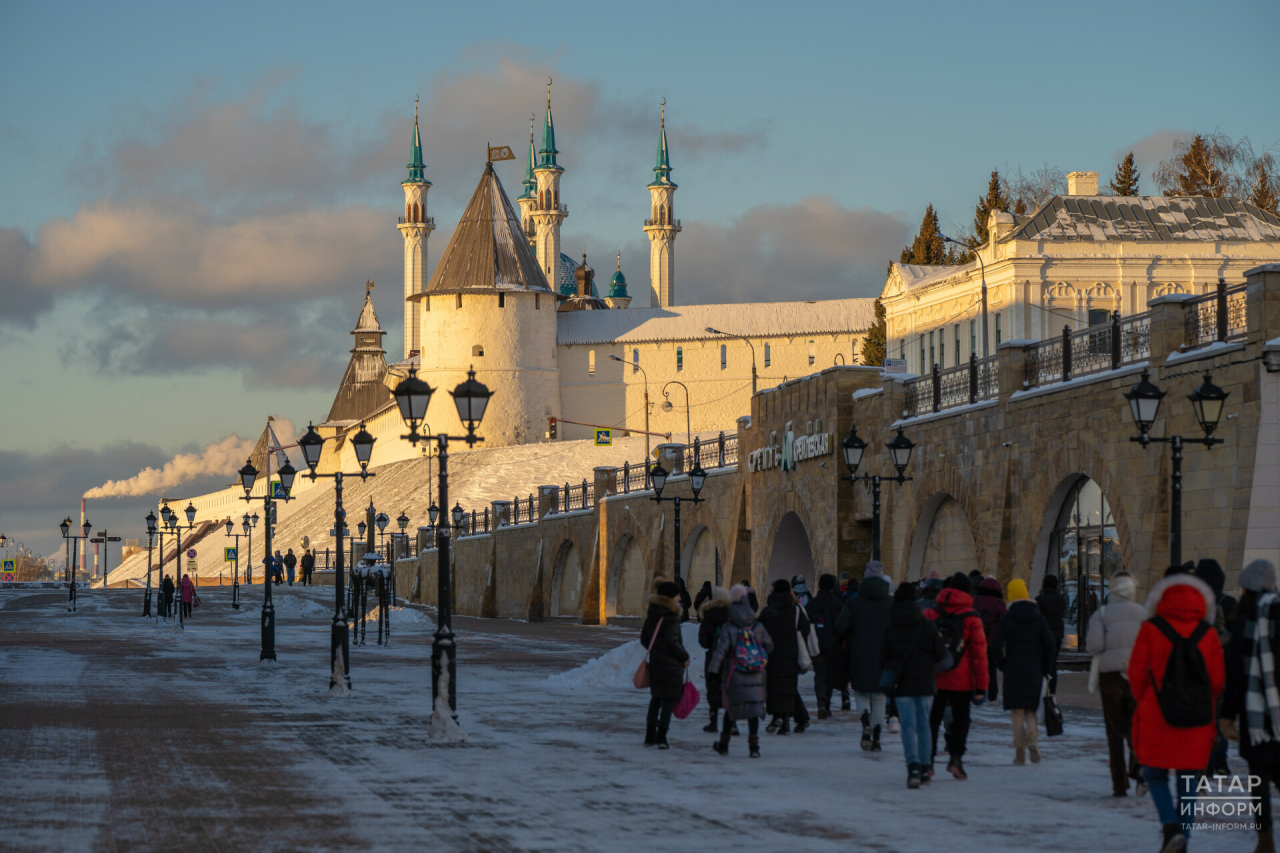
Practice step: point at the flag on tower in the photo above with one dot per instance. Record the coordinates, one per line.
(500, 152)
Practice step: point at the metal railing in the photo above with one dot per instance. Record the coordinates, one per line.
(1085, 352)
(674, 223)
(524, 510)
(1217, 316)
(426, 220)
(962, 385)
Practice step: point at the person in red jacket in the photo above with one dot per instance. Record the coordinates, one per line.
(967, 681)
(1183, 601)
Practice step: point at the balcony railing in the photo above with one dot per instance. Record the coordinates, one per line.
(1217, 316)
(674, 223)
(962, 385)
(426, 220)
(1096, 349)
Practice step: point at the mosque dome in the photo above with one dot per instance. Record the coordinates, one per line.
(618, 283)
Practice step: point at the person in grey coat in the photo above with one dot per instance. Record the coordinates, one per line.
(745, 693)
(1113, 628)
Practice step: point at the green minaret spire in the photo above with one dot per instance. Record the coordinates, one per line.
(415, 166)
(548, 152)
(530, 182)
(662, 169)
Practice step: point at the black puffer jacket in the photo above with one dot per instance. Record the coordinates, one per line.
(667, 660)
(862, 623)
(1053, 607)
(1024, 649)
(911, 647)
(823, 610)
(779, 619)
(714, 615)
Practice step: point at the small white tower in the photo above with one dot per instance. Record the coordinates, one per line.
(662, 227)
(528, 200)
(547, 211)
(416, 227)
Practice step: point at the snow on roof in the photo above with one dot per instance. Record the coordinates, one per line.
(920, 275)
(1100, 218)
(690, 322)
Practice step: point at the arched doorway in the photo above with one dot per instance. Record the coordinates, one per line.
(699, 559)
(943, 542)
(791, 552)
(566, 583)
(1082, 549)
(632, 590)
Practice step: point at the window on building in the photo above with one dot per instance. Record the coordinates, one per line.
(811, 353)
(942, 348)
(537, 301)
(679, 359)
(477, 351)
(1099, 316)
(724, 356)
(973, 336)
(957, 344)
(768, 355)
(458, 300)
(932, 355)
(502, 300)
(902, 349)
(635, 361)
(997, 330)
(923, 367)
(591, 361)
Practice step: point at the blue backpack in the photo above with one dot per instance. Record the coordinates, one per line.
(747, 654)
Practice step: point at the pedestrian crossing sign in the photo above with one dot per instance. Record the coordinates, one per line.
(9, 571)
(228, 554)
(604, 438)
(278, 489)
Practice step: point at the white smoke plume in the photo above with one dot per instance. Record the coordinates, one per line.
(221, 458)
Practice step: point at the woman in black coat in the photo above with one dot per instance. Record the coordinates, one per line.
(861, 624)
(667, 661)
(1053, 606)
(909, 654)
(713, 615)
(1024, 649)
(780, 619)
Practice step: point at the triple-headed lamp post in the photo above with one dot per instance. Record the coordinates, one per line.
(1144, 403)
(249, 476)
(658, 477)
(151, 535)
(73, 554)
(853, 448)
(235, 582)
(471, 398)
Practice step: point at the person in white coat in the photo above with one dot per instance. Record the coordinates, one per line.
(1111, 634)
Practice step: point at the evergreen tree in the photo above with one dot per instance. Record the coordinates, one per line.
(1125, 183)
(994, 200)
(875, 343)
(1266, 194)
(928, 246)
(1020, 207)
(1197, 168)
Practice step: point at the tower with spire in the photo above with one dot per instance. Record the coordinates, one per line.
(416, 226)
(662, 226)
(547, 212)
(529, 198)
(618, 296)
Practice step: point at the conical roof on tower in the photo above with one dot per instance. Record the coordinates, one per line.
(362, 391)
(488, 250)
(547, 159)
(663, 166)
(416, 167)
(267, 443)
(530, 182)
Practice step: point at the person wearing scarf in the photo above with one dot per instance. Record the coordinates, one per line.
(1251, 704)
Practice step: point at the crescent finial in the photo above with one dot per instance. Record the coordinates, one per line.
(664, 102)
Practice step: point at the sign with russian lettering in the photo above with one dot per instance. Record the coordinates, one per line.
(794, 449)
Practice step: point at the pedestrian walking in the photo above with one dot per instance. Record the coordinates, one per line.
(290, 563)
(167, 591)
(862, 623)
(1176, 672)
(1053, 606)
(740, 658)
(1251, 711)
(713, 615)
(927, 594)
(786, 622)
(684, 600)
(308, 566)
(703, 596)
(830, 667)
(188, 593)
(751, 595)
(909, 654)
(1023, 648)
(966, 680)
(667, 660)
(1112, 632)
(1209, 571)
(989, 602)
(801, 591)
(277, 568)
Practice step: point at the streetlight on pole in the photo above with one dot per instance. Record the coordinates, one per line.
(249, 476)
(470, 398)
(697, 477)
(666, 406)
(753, 352)
(66, 527)
(1144, 403)
(900, 448)
(986, 348)
(151, 534)
(636, 365)
(235, 578)
(403, 523)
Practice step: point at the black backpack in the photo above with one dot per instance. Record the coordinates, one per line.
(1186, 696)
(951, 629)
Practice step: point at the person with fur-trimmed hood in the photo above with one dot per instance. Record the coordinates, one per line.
(1178, 607)
(667, 660)
(744, 683)
(783, 617)
(966, 682)
(713, 615)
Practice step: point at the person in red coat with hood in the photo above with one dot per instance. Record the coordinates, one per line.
(1183, 601)
(967, 681)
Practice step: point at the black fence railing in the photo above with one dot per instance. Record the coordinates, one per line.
(1217, 316)
(1085, 352)
(962, 385)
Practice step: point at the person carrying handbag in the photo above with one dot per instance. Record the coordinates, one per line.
(667, 661)
(786, 622)
(909, 656)
(1024, 649)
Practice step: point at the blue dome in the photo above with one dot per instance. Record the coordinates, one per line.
(618, 285)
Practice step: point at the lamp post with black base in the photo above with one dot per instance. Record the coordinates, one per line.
(75, 553)
(899, 448)
(235, 578)
(151, 535)
(658, 477)
(249, 476)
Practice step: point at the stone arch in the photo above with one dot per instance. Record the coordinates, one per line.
(699, 556)
(1052, 510)
(943, 539)
(566, 581)
(791, 552)
(627, 580)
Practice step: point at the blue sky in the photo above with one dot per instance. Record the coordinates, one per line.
(191, 196)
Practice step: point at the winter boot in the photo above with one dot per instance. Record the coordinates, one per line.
(1034, 751)
(773, 724)
(733, 730)
(662, 739)
(650, 735)
(844, 702)
(711, 726)
(800, 727)
(875, 739)
(1019, 756)
(926, 774)
(722, 745)
(1174, 840)
(866, 737)
(894, 728)
(785, 728)
(866, 720)
(824, 709)
(913, 776)
(754, 743)
(956, 767)
(1266, 842)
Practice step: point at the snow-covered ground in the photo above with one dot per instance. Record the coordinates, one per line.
(118, 732)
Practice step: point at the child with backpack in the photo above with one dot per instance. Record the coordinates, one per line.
(1176, 673)
(964, 677)
(739, 657)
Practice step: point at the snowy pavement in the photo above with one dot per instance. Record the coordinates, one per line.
(116, 733)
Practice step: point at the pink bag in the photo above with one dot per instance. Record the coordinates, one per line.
(688, 700)
(641, 678)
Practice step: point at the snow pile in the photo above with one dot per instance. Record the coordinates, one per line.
(292, 607)
(615, 669)
(403, 618)
(444, 728)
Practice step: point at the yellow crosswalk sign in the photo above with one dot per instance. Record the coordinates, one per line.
(604, 438)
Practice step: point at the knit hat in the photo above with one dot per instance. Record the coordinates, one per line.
(782, 585)
(1017, 590)
(798, 584)
(958, 581)
(1211, 573)
(1051, 582)
(1259, 576)
(738, 593)
(827, 582)
(874, 567)
(906, 592)
(669, 588)
(719, 593)
(1123, 586)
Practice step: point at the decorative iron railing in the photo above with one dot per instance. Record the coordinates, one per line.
(1085, 352)
(1217, 316)
(957, 386)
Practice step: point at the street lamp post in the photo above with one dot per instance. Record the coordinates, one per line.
(151, 534)
(1144, 403)
(753, 352)
(175, 526)
(986, 348)
(900, 448)
(470, 398)
(403, 523)
(697, 477)
(235, 578)
(249, 476)
(636, 365)
(66, 527)
(666, 406)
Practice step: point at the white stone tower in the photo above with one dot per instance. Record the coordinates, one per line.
(528, 200)
(547, 211)
(662, 227)
(416, 227)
